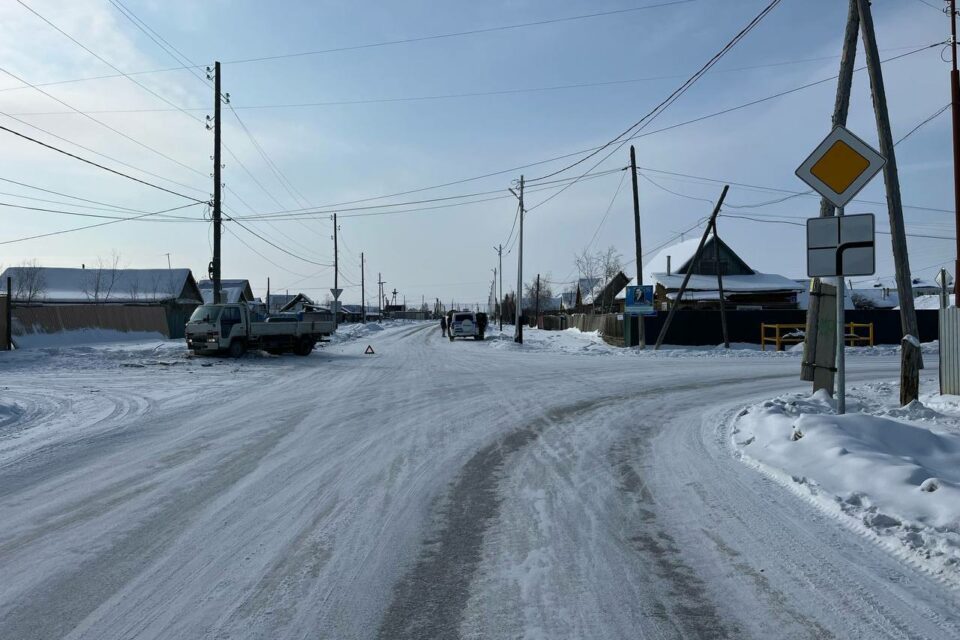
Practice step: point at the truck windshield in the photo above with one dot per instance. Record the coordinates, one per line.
(206, 313)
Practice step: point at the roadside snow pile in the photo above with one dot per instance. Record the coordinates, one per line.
(891, 472)
(82, 336)
(579, 342)
(354, 331)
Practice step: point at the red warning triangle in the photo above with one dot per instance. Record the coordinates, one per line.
(369, 350)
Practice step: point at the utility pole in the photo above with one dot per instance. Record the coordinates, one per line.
(363, 292)
(536, 314)
(168, 261)
(898, 235)
(723, 304)
(216, 183)
(695, 260)
(817, 364)
(518, 333)
(499, 250)
(636, 231)
(380, 295)
(955, 98)
(268, 296)
(336, 268)
(8, 338)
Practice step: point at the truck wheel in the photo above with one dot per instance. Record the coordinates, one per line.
(237, 349)
(304, 347)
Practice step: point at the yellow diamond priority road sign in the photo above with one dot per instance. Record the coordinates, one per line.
(840, 166)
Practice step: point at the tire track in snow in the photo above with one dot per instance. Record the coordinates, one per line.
(77, 594)
(430, 600)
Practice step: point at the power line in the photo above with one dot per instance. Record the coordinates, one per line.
(104, 124)
(98, 165)
(99, 224)
(458, 34)
(675, 95)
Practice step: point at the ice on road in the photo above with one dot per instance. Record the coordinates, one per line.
(432, 490)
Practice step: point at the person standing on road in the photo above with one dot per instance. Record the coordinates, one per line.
(443, 325)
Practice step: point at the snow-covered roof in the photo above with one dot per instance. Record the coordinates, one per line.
(228, 295)
(246, 292)
(736, 283)
(679, 254)
(67, 285)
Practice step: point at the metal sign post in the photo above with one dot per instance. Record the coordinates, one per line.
(336, 306)
(841, 246)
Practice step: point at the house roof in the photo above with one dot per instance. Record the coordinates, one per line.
(680, 254)
(67, 285)
(245, 295)
(742, 284)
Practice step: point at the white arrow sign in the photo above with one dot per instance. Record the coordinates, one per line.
(336, 293)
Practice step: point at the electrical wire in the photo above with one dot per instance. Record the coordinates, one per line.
(98, 165)
(675, 95)
(458, 34)
(99, 224)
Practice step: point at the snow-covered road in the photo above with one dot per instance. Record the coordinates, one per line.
(433, 490)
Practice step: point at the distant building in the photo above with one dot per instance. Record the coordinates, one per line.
(175, 290)
(743, 287)
(231, 291)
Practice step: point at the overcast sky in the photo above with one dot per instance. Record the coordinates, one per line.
(334, 153)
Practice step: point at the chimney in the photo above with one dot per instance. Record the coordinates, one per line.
(668, 265)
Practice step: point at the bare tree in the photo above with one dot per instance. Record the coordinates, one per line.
(530, 294)
(597, 268)
(134, 288)
(29, 282)
(103, 278)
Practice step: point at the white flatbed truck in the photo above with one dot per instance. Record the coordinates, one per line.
(232, 329)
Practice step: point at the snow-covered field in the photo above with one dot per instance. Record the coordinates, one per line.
(559, 489)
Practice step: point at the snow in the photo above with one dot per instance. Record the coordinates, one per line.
(732, 283)
(125, 285)
(37, 340)
(926, 302)
(561, 489)
(891, 472)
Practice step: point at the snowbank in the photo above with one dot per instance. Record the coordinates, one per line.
(890, 472)
(82, 336)
(574, 341)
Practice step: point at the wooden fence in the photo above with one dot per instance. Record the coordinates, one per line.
(36, 319)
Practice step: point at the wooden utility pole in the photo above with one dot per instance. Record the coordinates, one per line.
(723, 304)
(499, 250)
(518, 334)
(363, 291)
(636, 231)
(336, 267)
(8, 338)
(898, 235)
(216, 183)
(268, 296)
(380, 284)
(955, 98)
(818, 364)
(695, 260)
(536, 313)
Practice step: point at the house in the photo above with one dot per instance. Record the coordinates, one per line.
(232, 291)
(173, 290)
(298, 302)
(743, 287)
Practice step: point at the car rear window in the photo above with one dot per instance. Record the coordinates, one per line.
(460, 317)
